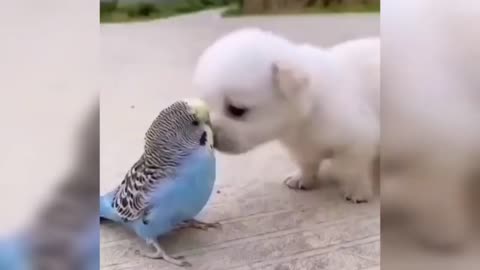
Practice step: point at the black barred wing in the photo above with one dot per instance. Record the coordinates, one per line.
(131, 198)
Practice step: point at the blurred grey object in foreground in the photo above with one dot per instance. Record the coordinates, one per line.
(49, 53)
(65, 233)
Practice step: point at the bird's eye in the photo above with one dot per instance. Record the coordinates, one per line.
(195, 123)
(236, 112)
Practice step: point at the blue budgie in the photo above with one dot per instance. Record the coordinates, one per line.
(171, 182)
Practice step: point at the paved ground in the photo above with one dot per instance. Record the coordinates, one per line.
(146, 66)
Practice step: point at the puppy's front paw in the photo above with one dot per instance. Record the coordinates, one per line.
(298, 182)
(354, 199)
(362, 195)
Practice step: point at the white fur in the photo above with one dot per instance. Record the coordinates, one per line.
(431, 115)
(321, 103)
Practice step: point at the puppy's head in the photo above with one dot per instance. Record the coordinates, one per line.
(254, 88)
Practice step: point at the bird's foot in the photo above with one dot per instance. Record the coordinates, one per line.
(159, 253)
(196, 224)
(179, 260)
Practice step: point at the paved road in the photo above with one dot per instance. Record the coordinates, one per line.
(146, 66)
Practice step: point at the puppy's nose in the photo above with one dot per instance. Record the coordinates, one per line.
(214, 124)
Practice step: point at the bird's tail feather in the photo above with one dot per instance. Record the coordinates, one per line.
(106, 210)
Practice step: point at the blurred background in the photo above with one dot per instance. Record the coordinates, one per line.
(49, 122)
(134, 10)
(48, 86)
(55, 62)
(430, 134)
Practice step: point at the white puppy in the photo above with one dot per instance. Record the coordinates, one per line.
(320, 103)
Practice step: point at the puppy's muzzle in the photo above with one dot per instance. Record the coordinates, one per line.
(215, 139)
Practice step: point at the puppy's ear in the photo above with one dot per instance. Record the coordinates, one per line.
(289, 80)
(292, 83)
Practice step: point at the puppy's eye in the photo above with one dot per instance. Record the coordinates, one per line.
(236, 112)
(195, 123)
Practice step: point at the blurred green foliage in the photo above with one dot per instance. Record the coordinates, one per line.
(279, 7)
(111, 12)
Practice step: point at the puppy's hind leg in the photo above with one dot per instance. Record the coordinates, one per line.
(441, 211)
(355, 173)
(308, 162)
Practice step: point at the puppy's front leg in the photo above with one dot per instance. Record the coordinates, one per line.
(308, 163)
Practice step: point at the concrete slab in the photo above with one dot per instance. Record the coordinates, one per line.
(148, 65)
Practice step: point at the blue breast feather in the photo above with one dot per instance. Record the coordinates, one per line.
(181, 198)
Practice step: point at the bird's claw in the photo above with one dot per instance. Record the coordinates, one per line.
(196, 224)
(176, 260)
(159, 253)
